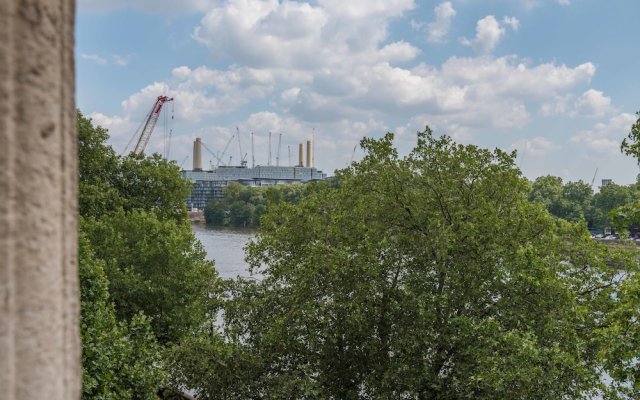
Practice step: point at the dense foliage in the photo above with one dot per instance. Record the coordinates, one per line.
(121, 359)
(616, 206)
(574, 201)
(145, 283)
(628, 215)
(431, 276)
(425, 277)
(155, 267)
(242, 206)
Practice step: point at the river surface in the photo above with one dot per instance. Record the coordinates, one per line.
(225, 246)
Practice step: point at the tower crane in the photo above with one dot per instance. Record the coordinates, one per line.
(183, 160)
(243, 158)
(269, 160)
(225, 151)
(213, 154)
(150, 123)
(353, 153)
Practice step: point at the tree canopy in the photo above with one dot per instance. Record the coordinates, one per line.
(242, 206)
(628, 215)
(574, 201)
(425, 277)
(144, 280)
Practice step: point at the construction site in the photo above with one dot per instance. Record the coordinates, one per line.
(208, 184)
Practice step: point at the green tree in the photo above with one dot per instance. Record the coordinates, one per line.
(577, 198)
(98, 170)
(135, 182)
(215, 213)
(628, 215)
(120, 360)
(570, 201)
(425, 277)
(156, 267)
(631, 144)
(547, 190)
(242, 206)
(610, 197)
(144, 279)
(152, 183)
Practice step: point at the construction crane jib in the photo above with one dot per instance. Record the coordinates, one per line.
(150, 123)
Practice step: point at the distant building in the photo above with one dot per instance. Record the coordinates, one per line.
(209, 185)
(605, 182)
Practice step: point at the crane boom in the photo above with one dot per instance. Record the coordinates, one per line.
(594, 177)
(212, 153)
(242, 160)
(269, 161)
(225, 151)
(150, 123)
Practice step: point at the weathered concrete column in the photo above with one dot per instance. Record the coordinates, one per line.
(39, 338)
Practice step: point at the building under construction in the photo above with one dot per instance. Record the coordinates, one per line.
(209, 184)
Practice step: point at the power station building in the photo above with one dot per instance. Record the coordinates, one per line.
(209, 185)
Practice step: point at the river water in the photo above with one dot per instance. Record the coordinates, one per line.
(226, 247)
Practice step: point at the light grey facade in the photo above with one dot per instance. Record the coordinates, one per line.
(209, 185)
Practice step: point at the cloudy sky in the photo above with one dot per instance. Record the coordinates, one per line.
(557, 80)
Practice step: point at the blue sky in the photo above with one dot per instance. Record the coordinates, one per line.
(556, 80)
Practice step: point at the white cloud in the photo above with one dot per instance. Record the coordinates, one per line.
(509, 76)
(201, 93)
(93, 58)
(462, 96)
(511, 22)
(438, 29)
(530, 4)
(605, 137)
(273, 34)
(117, 59)
(290, 95)
(489, 32)
(120, 129)
(559, 104)
(363, 9)
(592, 103)
(298, 65)
(169, 7)
(121, 61)
(536, 147)
(398, 52)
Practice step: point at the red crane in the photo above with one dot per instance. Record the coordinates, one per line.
(150, 123)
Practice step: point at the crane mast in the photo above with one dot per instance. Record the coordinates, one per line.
(150, 123)
(225, 152)
(269, 161)
(243, 156)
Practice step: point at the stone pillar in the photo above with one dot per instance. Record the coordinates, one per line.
(39, 301)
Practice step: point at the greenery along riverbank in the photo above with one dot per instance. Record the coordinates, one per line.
(430, 276)
(242, 206)
(145, 284)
